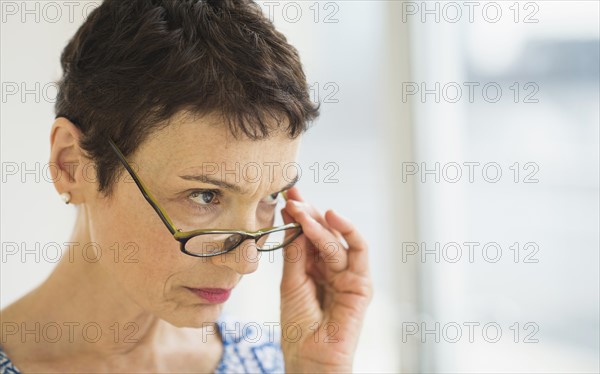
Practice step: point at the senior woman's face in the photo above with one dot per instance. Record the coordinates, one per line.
(158, 276)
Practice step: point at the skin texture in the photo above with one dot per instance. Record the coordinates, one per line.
(160, 325)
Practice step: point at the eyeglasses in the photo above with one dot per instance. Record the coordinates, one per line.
(214, 242)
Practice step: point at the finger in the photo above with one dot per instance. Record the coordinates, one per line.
(358, 255)
(330, 250)
(287, 219)
(293, 258)
(294, 194)
(316, 214)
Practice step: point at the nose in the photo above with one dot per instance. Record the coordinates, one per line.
(243, 259)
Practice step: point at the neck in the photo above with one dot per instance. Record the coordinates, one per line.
(94, 317)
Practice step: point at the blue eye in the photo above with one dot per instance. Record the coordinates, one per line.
(206, 197)
(206, 201)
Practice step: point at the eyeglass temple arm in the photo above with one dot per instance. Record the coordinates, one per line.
(162, 214)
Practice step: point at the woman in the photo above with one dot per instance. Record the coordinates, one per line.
(176, 121)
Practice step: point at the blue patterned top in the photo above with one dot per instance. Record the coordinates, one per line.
(249, 347)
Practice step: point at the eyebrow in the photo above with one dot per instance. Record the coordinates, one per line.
(229, 186)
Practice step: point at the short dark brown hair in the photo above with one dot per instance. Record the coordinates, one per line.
(134, 64)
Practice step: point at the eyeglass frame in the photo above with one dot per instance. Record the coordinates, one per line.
(184, 236)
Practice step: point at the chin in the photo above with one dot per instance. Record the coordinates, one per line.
(194, 316)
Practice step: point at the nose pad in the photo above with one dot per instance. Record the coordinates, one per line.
(243, 259)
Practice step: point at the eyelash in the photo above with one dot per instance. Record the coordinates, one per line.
(204, 208)
(211, 207)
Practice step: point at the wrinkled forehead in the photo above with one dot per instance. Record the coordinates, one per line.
(203, 146)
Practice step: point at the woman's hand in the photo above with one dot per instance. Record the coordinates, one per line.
(325, 290)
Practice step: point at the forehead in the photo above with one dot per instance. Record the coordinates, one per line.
(196, 145)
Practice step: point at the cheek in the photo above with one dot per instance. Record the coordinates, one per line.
(136, 249)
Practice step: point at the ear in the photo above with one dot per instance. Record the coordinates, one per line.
(71, 170)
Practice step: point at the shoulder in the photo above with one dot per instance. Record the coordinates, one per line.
(250, 347)
(6, 366)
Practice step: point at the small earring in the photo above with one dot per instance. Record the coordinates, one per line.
(66, 197)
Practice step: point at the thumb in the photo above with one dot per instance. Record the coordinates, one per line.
(293, 259)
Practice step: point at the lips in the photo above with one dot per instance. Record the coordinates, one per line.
(212, 295)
